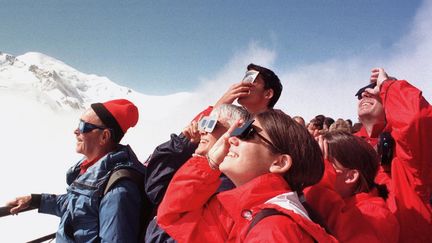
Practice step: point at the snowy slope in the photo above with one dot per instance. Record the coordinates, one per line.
(54, 83)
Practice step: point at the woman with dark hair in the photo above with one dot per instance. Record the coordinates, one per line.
(270, 160)
(347, 198)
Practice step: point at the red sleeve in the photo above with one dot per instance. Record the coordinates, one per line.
(347, 223)
(187, 194)
(409, 116)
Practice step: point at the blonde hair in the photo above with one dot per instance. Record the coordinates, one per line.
(340, 125)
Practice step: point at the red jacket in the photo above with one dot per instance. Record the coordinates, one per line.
(364, 217)
(192, 212)
(409, 120)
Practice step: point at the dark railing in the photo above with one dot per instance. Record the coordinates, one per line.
(5, 211)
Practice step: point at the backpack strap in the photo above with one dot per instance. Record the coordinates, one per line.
(264, 213)
(120, 174)
(138, 179)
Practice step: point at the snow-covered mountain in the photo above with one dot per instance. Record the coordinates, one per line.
(54, 83)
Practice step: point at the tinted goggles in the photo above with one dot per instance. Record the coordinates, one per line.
(248, 131)
(207, 124)
(250, 76)
(85, 127)
(363, 89)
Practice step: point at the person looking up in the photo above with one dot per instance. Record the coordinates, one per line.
(259, 95)
(87, 214)
(261, 92)
(270, 159)
(168, 158)
(397, 121)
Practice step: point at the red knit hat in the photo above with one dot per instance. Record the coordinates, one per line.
(118, 115)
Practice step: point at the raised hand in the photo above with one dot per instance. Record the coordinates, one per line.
(192, 133)
(217, 153)
(234, 92)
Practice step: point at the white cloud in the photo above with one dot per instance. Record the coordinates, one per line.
(328, 87)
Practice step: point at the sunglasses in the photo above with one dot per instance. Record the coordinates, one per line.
(207, 124)
(360, 91)
(85, 127)
(248, 131)
(385, 148)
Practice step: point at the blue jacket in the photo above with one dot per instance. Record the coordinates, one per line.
(89, 216)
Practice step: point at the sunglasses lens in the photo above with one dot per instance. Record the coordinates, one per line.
(202, 123)
(81, 126)
(211, 125)
(243, 131)
(248, 134)
(84, 127)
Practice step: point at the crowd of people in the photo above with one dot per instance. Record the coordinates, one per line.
(252, 173)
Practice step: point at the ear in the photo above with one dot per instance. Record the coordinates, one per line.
(105, 137)
(352, 176)
(268, 94)
(281, 164)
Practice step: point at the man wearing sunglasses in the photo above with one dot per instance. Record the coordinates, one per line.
(394, 109)
(90, 211)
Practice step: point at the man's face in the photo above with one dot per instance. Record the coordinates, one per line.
(256, 97)
(87, 143)
(370, 107)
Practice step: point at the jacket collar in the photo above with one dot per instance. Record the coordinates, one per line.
(290, 201)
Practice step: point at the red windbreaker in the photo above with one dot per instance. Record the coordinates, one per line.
(409, 120)
(192, 212)
(361, 218)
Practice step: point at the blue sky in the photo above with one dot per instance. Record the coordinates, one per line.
(161, 47)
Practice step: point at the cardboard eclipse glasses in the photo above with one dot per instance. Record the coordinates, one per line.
(250, 76)
(207, 123)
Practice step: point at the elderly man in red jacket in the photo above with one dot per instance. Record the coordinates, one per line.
(397, 120)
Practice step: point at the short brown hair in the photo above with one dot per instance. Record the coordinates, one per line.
(294, 139)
